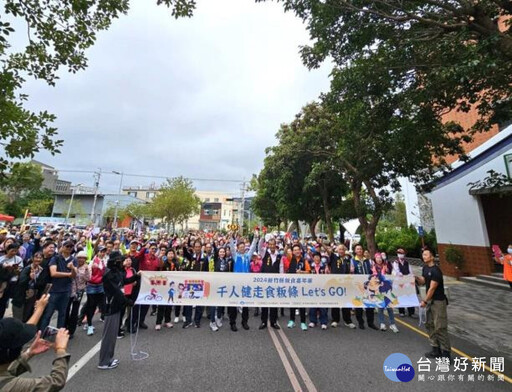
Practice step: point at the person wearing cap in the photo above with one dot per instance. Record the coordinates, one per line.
(62, 271)
(78, 285)
(13, 362)
(113, 281)
(400, 268)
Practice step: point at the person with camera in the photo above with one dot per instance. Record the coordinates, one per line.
(13, 362)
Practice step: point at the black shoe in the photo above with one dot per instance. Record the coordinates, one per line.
(186, 324)
(79, 323)
(275, 326)
(435, 353)
(120, 335)
(446, 354)
(263, 326)
(372, 326)
(361, 326)
(282, 312)
(197, 325)
(102, 318)
(245, 326)
(143, 326)
(234, 328)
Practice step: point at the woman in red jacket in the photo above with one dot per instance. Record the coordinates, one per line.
(94, 289)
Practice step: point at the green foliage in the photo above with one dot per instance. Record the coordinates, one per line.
(448, 54)
(77, 208)
(57, 34)
(40, 207)
(176, 201)
(454, 256)
(296, 184)
(397, 215)
(21, 179)
(494, 181)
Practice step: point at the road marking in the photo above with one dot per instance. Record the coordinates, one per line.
(83, 361)
(455, 350)
(289, 370)
(300, 367)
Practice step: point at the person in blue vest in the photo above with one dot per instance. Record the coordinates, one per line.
(241, 265)
(363, 266)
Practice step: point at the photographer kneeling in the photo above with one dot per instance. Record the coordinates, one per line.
(13, 362)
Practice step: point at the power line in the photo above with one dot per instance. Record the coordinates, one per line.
(150, 176)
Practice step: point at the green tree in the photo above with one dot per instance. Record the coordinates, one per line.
(57, 33)
(450, 54)
(21, 179)
(295, 184)
(77, 209)
(397, 216)
(40, 207)
(175, 202)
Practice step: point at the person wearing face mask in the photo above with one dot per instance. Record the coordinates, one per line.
(506, 260)
(401, 268)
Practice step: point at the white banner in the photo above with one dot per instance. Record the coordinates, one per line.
(276, 290)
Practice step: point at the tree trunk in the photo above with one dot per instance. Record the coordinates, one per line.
(297, 228)
(312, 227)
(370, 238)
(327, 212)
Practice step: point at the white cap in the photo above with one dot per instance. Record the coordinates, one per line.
(81, 254)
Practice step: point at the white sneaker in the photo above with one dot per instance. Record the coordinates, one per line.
(158, 327)
(169, 325)
(324, 326)
(240, 309)
(85, 327)
(334, 324)
(213, 326)
(176, 320)
(394, 328)
(296, 312)
(90, 331)
(113, 365)
(350, 325)
(312, 325)
(218, 321)
(184, 319)
(382, 326)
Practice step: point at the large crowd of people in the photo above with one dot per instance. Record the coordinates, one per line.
(95, 273)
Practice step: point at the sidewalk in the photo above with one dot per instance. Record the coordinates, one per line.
(479, 314)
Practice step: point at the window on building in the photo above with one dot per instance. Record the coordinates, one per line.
(150, 195)
(134, 194)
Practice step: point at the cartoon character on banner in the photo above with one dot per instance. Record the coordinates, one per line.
(377, 293)
(171, 292)
(153, 296)
(181, 289)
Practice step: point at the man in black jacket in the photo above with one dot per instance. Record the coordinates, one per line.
(271, 264)
(340, 263)
(196, 261)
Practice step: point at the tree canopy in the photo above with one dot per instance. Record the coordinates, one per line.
(452, 54)
(176, 201)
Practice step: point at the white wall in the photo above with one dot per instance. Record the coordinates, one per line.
(458, 216)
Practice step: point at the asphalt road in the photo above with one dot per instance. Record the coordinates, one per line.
(316, 360)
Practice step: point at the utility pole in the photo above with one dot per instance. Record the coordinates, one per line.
(114, 225)
(97, 177)
(242, 209)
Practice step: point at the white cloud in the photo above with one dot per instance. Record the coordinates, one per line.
(200, 97)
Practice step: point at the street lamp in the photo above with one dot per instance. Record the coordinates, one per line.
(114, 225)
(71, 201)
